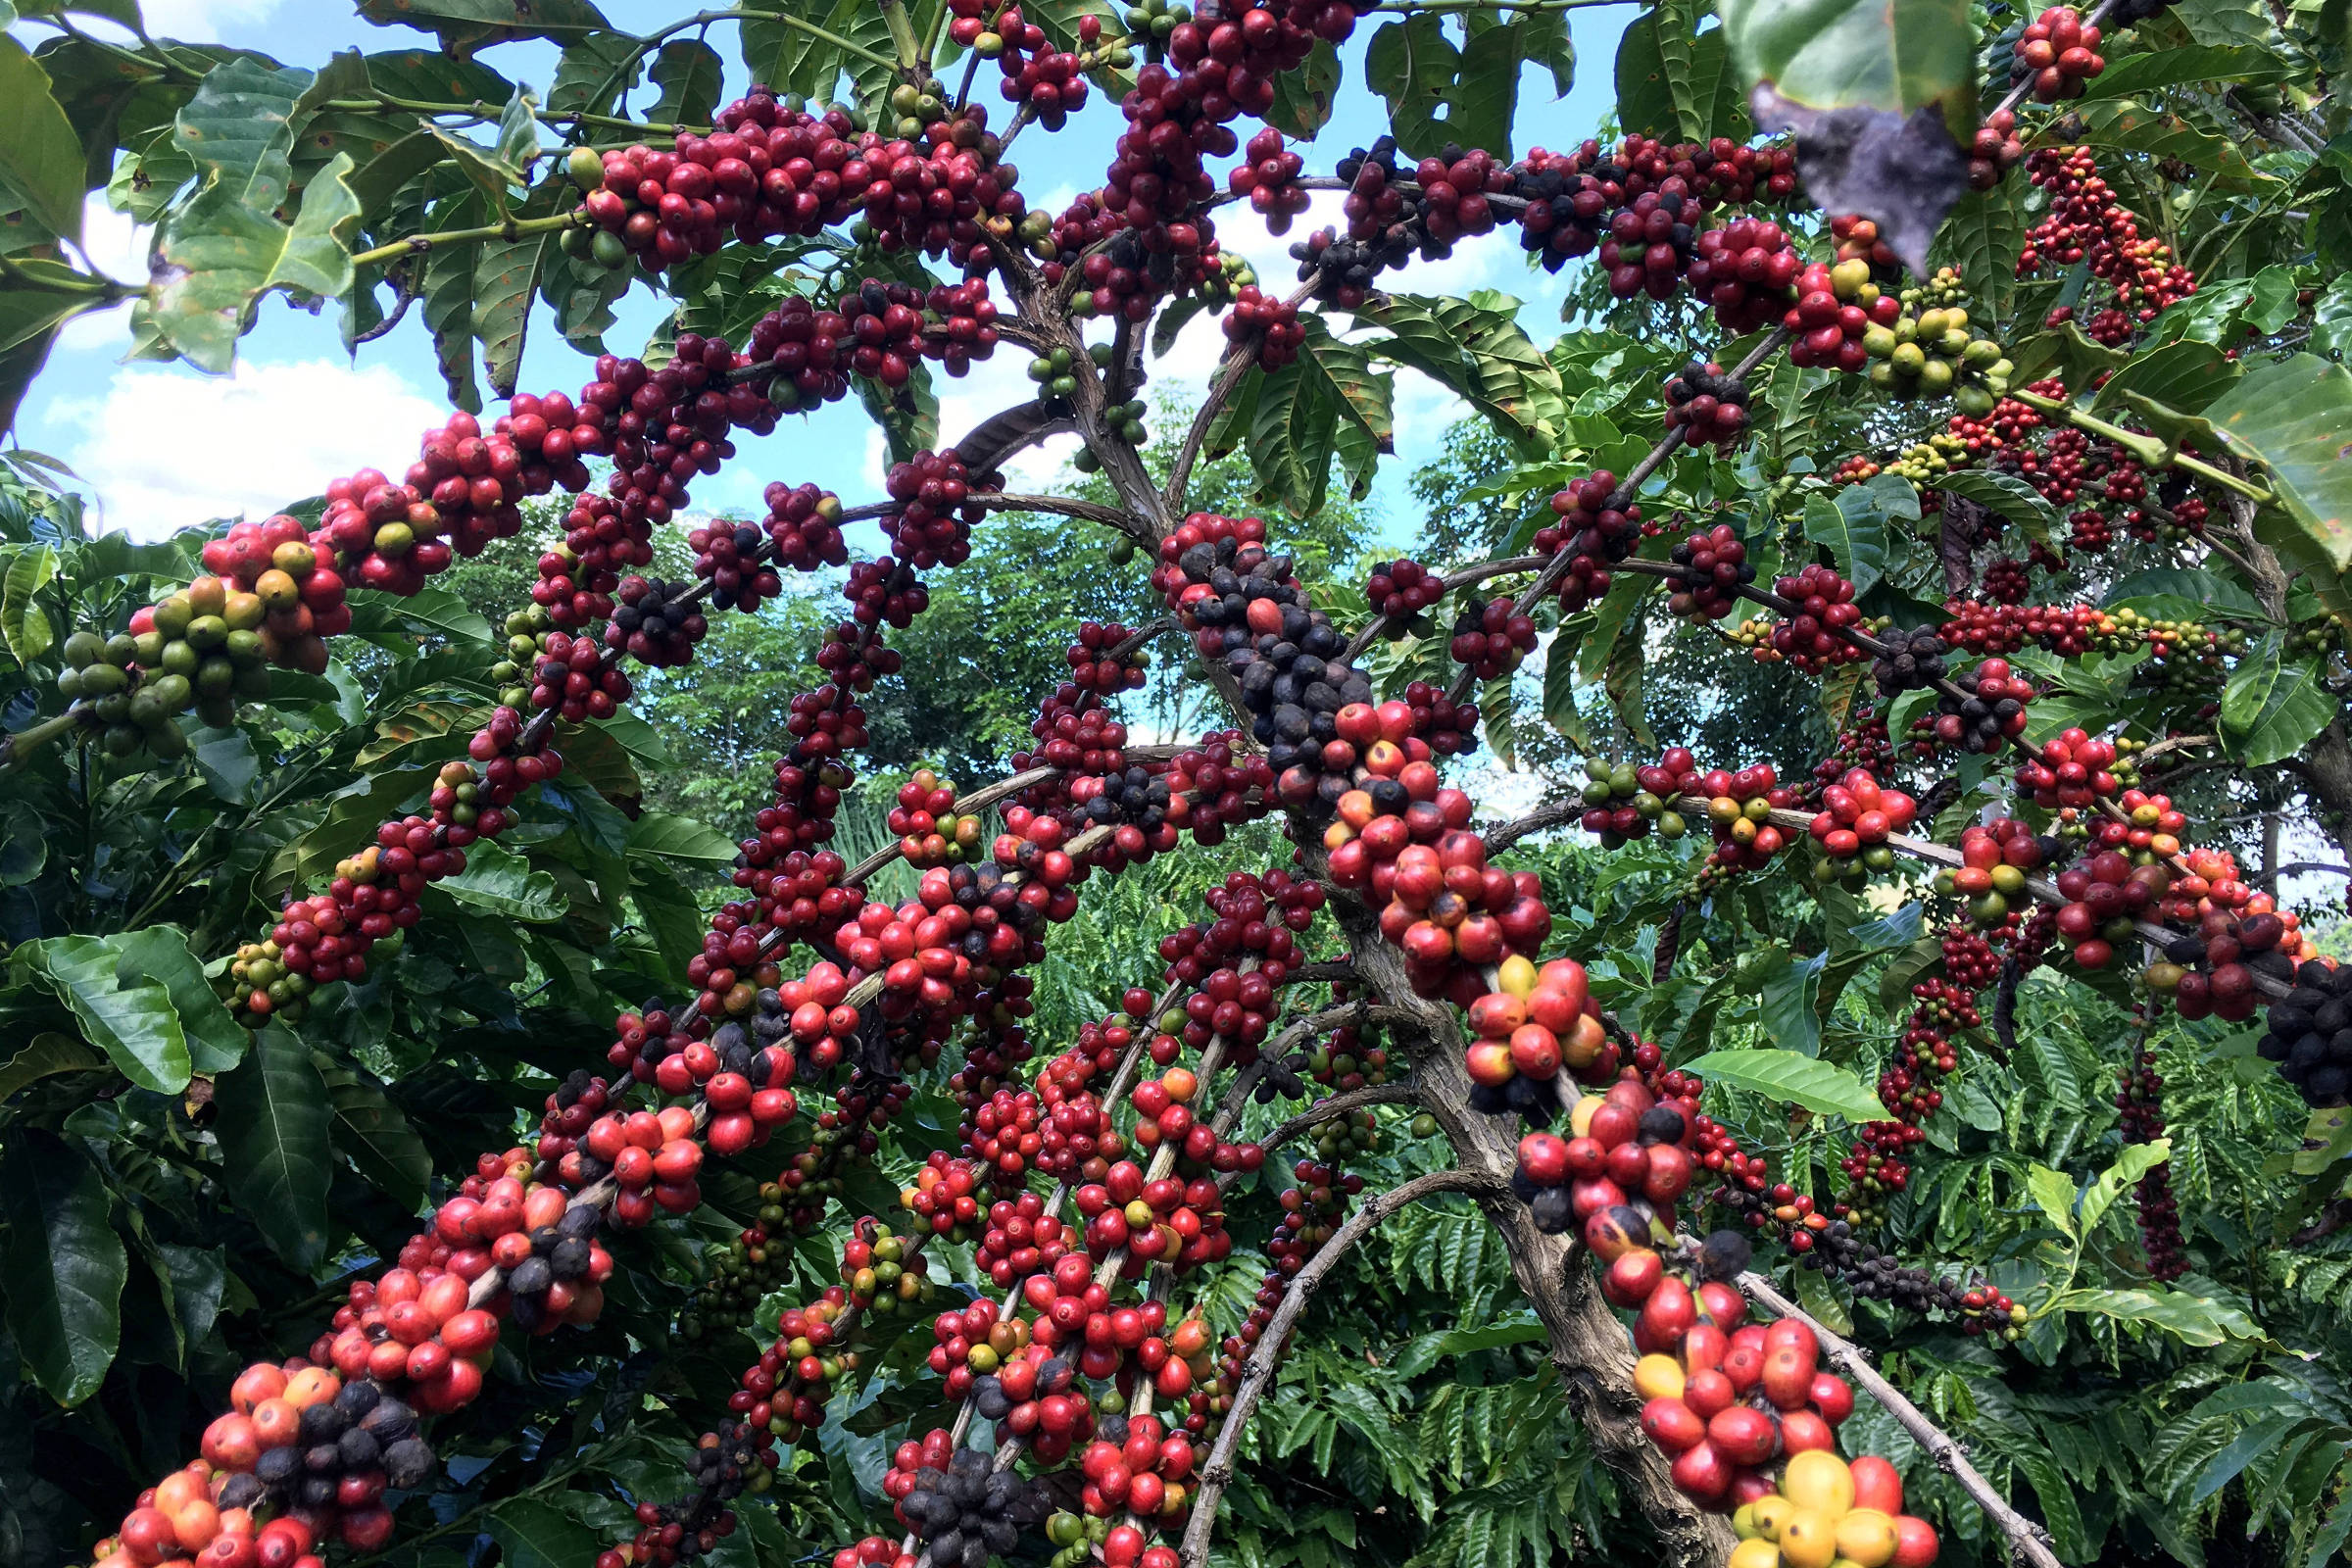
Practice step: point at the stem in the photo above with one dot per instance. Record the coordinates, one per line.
(2028, 1540)
(1257, 1375)
(2146, 448)
(512, 228)
(15, 748)
(901, 36)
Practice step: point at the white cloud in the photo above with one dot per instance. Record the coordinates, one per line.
(167, 448)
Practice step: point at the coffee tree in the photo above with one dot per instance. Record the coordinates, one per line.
(1967, 380)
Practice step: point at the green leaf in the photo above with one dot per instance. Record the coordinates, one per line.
(1983, 238)
(2005, 495)
(374, 1136)
(1411, 63)
(2191, 1319)
(2185, 376)
(506, 276)
(41, 162)
(1855, 536)
(1794, 1079)
(431, 612)
(504, 884)
(48, 1054)
(1905, 971)
(1475, 347)
(478, 20)
(23, 622)
(161, 954)
(66, 1265)
(1418, 1354)
(2053, 1191)
(532, 1534)
(447, 302)
(1817, 1296)
(1302, 98)
(2211, 595)
(2295, 419)
(680, 838)
(233, 241)
(2332, 320)
(589, 76)
(2192, 63)
(2271, 708)
(2135, 1161)
(2247, 1446)
(2133, 126)
(225, 758)
(135, 1025)
(274, 1121)
(1894, 55)
(689, 73)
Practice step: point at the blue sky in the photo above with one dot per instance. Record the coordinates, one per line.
(163, 446)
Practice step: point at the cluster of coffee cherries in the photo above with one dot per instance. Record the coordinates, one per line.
(1857, 816)
(2087, 224)
(1618, 1153)
(1999, 628)
(1598, 526)
(966, 1510)
(1406, 839)
(1271, 323)
(1402, 590)
(1994, 150)
(1822, 608)
(1624, 802)
(1136, 1465)
(656, 622)
(2058, 52)
(938, 502)
(1989, 710)
(1995, 860)
(2073, 771)
(1836, 308)
(2223, 964)
(1534, 1024)
(1244, 607)
(1267, 176)
(1932, 353)
(1491, 637)
(1641, 203)
(2139, 1113)
(1740, 807)
(1716, 564)
(314, 1452)
(2309, 1031)
(1707, 406)
(1876, 1166)
(1745, 271)
(930, 833)
(757, 175)
(1913, 660)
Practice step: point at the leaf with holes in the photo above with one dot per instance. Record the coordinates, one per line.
(1302, 98)
(690, 74)
(1791, 1079)
(2295, 419)
(274, 1122)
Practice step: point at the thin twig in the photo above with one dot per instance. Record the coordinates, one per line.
(1257, 1373)
(2028, 1540)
